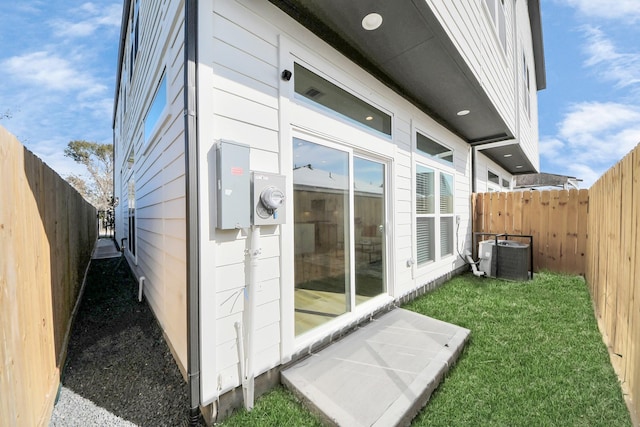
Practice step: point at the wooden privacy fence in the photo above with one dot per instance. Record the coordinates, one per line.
(613, 267)
(556, 219)
(47, 233)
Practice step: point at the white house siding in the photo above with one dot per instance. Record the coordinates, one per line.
(483, 166)
(528, 122)
(242, 47)
(471, 29)
(158, 168)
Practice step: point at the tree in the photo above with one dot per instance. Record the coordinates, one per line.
(98, 159)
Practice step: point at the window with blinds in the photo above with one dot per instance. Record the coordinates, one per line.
(434, 214)
(446, 214)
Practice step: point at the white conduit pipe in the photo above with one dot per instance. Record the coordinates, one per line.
(249, 319)
(140, 286)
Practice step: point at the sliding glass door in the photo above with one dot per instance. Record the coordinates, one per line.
(339, 217)
(369, 219)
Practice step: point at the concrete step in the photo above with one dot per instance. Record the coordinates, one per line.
(104, 249)
(380, 375)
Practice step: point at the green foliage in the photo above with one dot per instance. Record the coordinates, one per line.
(277, 408)
(98, 159)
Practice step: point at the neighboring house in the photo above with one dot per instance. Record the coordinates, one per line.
(381, 130)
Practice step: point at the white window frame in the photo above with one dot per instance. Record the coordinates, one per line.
(526, 85)
(499, 186)
(439, 168)
(132, 223)
(497, 15)
(156, 114)
(335, 114)
(134, 36)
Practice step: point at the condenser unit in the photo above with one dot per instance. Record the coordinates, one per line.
(505, 259)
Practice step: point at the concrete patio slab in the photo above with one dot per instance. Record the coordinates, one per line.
(105, 248)
(381, 374)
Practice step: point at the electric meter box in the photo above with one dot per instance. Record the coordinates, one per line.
(267, 198)
(233, 186)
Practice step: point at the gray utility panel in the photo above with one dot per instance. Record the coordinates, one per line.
(233, 186)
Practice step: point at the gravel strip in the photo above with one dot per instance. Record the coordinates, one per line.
(117, 358)
(73, 410)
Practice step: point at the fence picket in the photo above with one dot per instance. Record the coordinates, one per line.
(40, 276)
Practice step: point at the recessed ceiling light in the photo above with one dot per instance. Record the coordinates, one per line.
(368, 118)
(508, 155)
(463, 112)
(372, 21)
(519, 167)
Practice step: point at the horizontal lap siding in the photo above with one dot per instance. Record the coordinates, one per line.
(528, 136)
(245, 108)
(469, 26)
(243, 60)
(158, 170)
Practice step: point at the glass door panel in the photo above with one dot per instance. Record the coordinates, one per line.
(369, 220)
(321, 233)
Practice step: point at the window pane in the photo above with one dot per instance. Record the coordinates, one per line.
(491, 5)
(425, 190)
(446, 236)
(433, 149)
(492, 177)
(502, 29)
(446, 193)
(321, 233)
(325, 93)
(156, 109)
(425, 240)
(506, 183)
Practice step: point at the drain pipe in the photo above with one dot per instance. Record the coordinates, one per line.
(140, 287)
(247, 351)
(192, 221)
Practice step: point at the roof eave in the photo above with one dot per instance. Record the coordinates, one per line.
(538, 45)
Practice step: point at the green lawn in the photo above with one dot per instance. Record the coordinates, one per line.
(535, 358)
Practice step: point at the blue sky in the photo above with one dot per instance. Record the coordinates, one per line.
(58, 65)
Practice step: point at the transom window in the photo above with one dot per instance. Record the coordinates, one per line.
(493, 177)
(434, 150)
(326, 94)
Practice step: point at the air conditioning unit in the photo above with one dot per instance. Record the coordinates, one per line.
(488, 257)
(508, 260)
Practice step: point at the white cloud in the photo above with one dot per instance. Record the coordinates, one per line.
(584, 172)
(90, 19)
(48, 71)
(624, 10)
(621, 68)
(589, 118)
(592, 137)
(551, 147)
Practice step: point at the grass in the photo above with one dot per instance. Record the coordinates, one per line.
(277, 408)
(535, 357)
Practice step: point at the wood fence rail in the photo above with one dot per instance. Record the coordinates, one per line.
(556, 219)
(47, 233)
